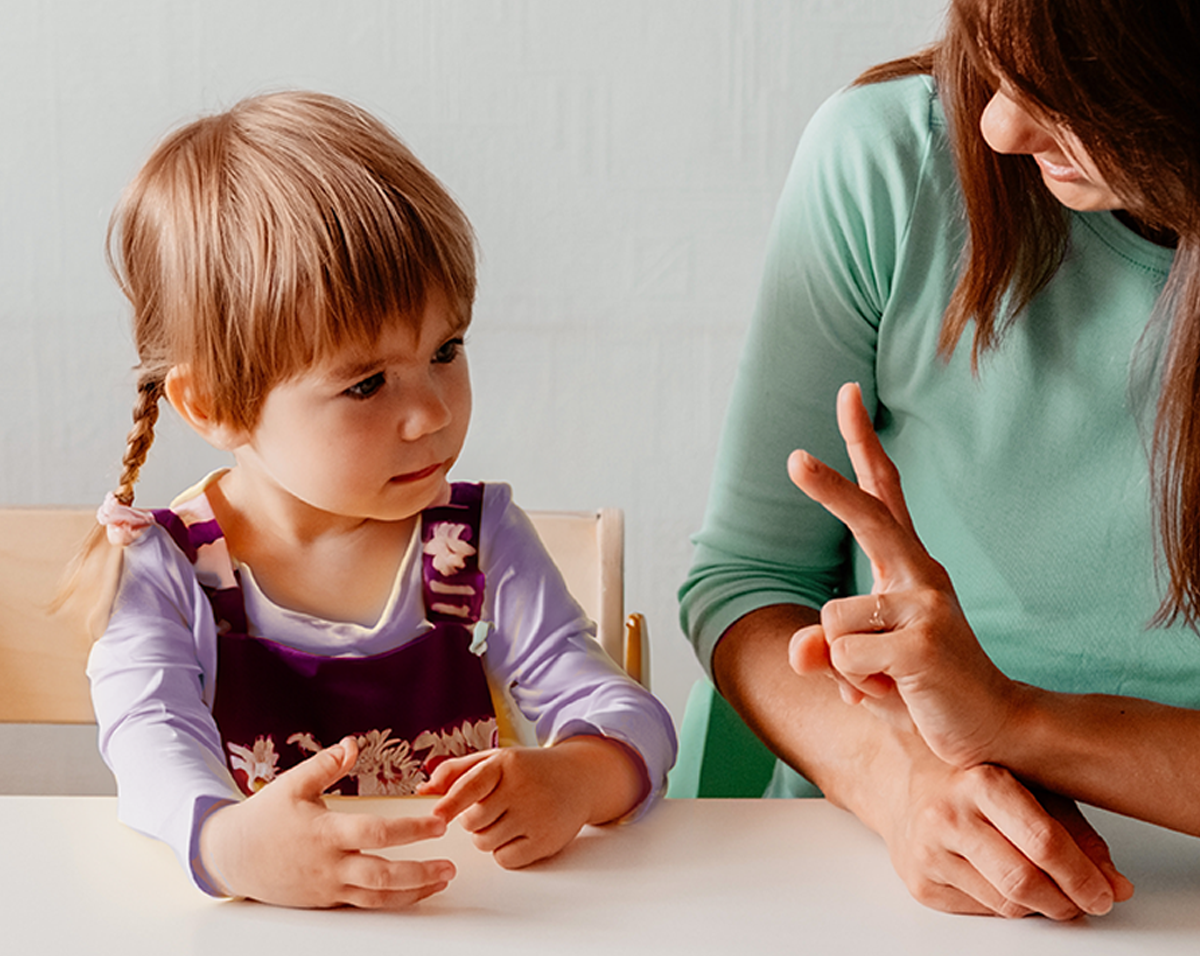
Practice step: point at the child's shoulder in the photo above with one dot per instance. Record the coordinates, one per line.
(503, 523)
(497, 495)
(184, 542)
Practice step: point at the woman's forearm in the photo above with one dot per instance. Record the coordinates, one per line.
(956, 836)
(1124, 754)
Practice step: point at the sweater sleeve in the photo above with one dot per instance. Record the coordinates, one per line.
(151, 675)
(840, 222)
(544, 652)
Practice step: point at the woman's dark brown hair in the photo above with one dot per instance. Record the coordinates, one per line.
(1123, 76)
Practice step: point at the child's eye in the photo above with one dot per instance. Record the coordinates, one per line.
(367, 387)
(448, 352)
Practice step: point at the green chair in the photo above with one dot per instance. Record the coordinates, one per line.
(719, 756)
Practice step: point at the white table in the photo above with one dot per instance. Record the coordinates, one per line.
(703, 876)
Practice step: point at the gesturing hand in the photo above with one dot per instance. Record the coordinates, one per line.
(284, 846)
(905, 651)
(965, 835)
(524, 804)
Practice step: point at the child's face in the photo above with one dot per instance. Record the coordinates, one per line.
(373, 432)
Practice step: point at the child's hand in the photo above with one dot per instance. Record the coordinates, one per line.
(526, 803)
(284, 846)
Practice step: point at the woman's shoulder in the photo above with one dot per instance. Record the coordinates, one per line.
(889, 129)
(865, 159)
(906, 104)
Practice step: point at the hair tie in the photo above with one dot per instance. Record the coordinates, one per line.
(123, 523)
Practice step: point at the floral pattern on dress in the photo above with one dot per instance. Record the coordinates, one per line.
(468, 738)
(447, 547)
(257, 764)
(386, 765)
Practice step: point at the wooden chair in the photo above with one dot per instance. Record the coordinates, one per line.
(47, 728)
(589, 549)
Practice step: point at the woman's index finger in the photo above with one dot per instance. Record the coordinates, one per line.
(897, 554)
(876, 472)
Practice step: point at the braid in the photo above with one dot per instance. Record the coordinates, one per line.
(141, 436)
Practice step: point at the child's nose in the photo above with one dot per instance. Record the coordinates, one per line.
(425, 411)
(1008, 127)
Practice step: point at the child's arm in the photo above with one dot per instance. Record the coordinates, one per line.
(149, 676)
(526, 803)
(284, 846)
(544, 652)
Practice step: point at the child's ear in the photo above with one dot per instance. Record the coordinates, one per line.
(194, 407)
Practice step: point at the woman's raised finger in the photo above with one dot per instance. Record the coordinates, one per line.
(899, 558)
(876, 473)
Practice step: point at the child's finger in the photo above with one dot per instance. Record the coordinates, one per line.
(450, 770)
(312, 777)
(394, 877)
(469, 789)
(369, 899)
(352, 831)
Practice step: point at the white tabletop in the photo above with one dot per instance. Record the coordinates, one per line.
(696, 876)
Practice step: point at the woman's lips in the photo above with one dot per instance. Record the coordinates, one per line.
(1062, 174)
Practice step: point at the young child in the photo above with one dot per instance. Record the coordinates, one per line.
(330, 613)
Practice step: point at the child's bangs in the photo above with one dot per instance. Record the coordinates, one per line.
(263, 240)
(341, 285)
(343, 231)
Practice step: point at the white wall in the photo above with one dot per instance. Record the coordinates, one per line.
(619, 158)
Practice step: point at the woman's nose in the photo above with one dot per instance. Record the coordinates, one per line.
(1008, 127)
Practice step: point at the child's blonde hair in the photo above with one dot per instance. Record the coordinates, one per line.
(257, 241)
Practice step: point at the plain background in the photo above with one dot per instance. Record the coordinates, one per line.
(620, 160)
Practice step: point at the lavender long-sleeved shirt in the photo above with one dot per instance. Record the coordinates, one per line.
(153, 672)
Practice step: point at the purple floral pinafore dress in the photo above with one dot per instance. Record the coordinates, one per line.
(409, 708)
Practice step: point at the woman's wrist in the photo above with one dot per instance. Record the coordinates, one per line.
(1020, 730)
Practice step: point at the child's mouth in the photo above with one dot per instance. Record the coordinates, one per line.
(417, 475)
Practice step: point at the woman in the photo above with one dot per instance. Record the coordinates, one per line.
(1051, 465)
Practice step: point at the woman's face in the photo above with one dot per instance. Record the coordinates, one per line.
(1068, 171)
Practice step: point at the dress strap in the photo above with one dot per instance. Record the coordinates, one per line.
(452, 582)
(195, 531)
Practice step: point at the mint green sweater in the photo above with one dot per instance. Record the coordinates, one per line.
(1029, 481)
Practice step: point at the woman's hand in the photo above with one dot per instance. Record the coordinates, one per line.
(979, 842)
(524, 804)
(284, 846)
(906, 651)
(966, 836)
